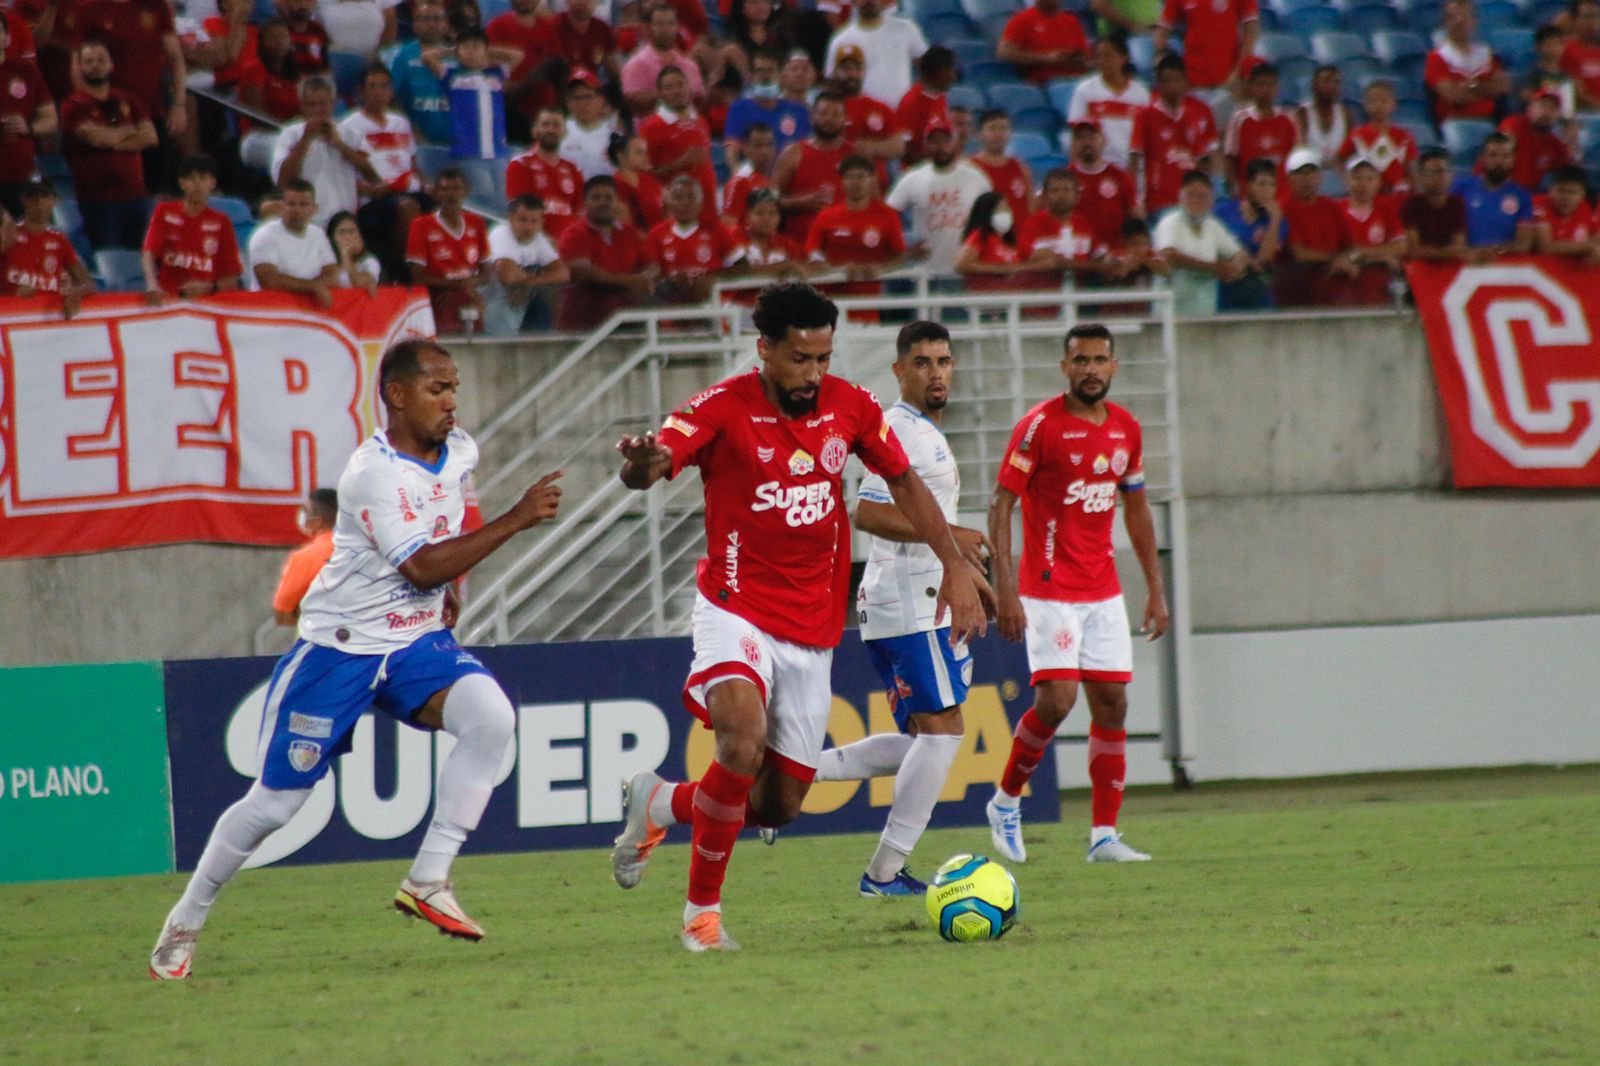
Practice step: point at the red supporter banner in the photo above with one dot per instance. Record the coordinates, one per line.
(1515, 353)
(204, 420)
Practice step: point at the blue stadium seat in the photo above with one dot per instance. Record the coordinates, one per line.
(1463, 137)
(1356, 68)
(119, 269)
(1060, 93)
(969, 51)
(1013, 96)
(1142, 54)
(432, 158)
(493, 9)
(978, 10)
(237, 210)
(1513, 44)
(1424, 17)
(989, 72)
(927, 9)
(1045, 121)
(1309, 20)
(1422, 132)
(1336, 47)
(993, 26)
(1493, 14)
(1287, 7)
(1040, 165)
(1410, 112)
(1295, 69)
(1588, 132)
(69, 220)
(1393, 45)
(1277, 47)
(1026, 145)
(1544, 11)
(1268, 19)
(946, 27)
(966, 96)
(347, 68)
(1367, 19)
(53, 167)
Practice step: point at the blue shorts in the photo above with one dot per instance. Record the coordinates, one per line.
(317, 694)
(921, 672)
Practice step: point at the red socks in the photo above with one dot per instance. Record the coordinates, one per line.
(1028, 745)
(718, 816)
(1108, 765)
(683, 806)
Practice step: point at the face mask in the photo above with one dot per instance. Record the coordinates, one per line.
(765, 90)
(1001, 222)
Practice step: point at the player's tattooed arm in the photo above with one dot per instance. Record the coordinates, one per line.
(963, 587)
(1013, 622)
(1142, 533)
(645, 461)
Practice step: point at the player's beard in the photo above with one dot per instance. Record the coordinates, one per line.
(1089, 398)
(793, 404)
(935, 402)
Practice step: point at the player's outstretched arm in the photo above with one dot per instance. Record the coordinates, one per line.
(889, 522)
(1142, 532)
(1013, 622)
(963, 587)
(434, 564)
(645, 461)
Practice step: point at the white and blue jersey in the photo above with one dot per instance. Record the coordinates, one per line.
(477, 111)
(922, 672)
(368, 637)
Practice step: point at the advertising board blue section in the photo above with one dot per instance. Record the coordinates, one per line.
(589, 716)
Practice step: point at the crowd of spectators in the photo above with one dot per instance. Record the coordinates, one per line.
(539, 163)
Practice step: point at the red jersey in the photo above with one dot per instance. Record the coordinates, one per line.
(310, 47)
(280, 96)
(993, 249)
(775, 249)
(1578, 226)
(1009, 179)
(817, 171)
(918, 107)
(643, 201)
(584, 304)
(1317, 224)
(669, 136)
(536, 43)
(1252, 135)
(132, 30)
(1070, 239)
(736, 193)
(21, 35)
(1033, 31)
(439, 251)
(868, 117)
(1449, 63)
(1104, 196)
(1210, 36)
(690, 253)
(22, 90)
(1378, 223)
(38, 261)
(103, 175)
(842, 236)
(228, 75)
(189, 247)
(1171, 144)
(1392, 151)
(1538, 151)
(559, 184)
(777, 535)
(588, 48)
(1582, 61)
(1067, 471)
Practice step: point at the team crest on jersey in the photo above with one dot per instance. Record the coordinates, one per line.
(1119, 462)
(1509, 205)
(750, 649)
(1101, 464)
(1108, 188)
(19, 89)
(765, 454)
(870, 238)
(441, 526)
(834, 453)
(801, 463)
(304, 754)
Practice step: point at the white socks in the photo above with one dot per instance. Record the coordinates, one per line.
(480, 717)
(916, 789)
(879, 755)
(1005, 801)
(238, 833)
(660, 807)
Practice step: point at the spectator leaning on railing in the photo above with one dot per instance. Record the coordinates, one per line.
(1499, 211)
(448, 252)
(1061, 239)
(191, 249)
(1375, 239)
(1435, 218)
(690, 252)
(358, 268)
(1255, 218)
(525, 268)
(1198, 248)
(610, 268)
(40, 260)
(26, 112)
(768, 252)
(861, 236)
(289, 253)
(1563, 221)
(1315, 270)
(1107, 195)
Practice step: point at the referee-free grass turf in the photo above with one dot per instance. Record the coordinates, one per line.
(1446, 918)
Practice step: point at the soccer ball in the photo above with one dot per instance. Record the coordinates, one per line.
(973, 898)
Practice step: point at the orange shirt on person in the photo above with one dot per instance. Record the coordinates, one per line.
(300, 569)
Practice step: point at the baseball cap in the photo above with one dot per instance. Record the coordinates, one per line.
(1360, 161)
(1086, 124)
(1547, 94)
(584, 76)
(938, 124)
(850, 52)
(1301, 158)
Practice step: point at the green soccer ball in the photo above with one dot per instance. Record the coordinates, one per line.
(972, 897)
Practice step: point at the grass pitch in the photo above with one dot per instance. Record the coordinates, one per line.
(1446, 918)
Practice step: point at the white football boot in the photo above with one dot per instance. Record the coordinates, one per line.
(1110, 848)
(173, 957)
(1005, 829)
(705, 933)
(436, 903)
(639, 835)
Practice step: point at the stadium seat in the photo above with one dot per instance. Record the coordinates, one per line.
(1544, 12)
(1332, 182)
(1060, 93)
(1277, 47)
(1513, 44)
(1040, 165)
(1493, 14)
(946, 27)
(237, 210)
(1422, 132)
(1411, 112)
(69, 220)
(1336, 47)
(432, 158)
(1295, 69)
(347, 68)
(119, 269)
(966, 96)
(1357, 68)
(1045, 121)
(1393, 45)
(1367, 19)
(1287, 7)
(1424, 17)
(994, 26)
(1013, 96)
(1463, 137)
(969, 51)
(1308, 20)
(927, 9)
(1026, 145)
(53, 167)
(1142, 54)
(979, 10)
(493, 9)
(990, 72)
(1588, 132)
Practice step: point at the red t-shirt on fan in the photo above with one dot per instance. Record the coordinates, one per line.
(1317, 224)
(103, 175)
(777, 535)
(1172, 144)
(1066, 471)
(22, 90)
(668, 136)
(559, 184)
(1210, 36)
(1034, 31)
(453, 255)
(132, 30)
(38, 261)
(736, 193)
(1010, 180)
(1538, 151)
(1252, 135)
(189, 247)
(817, 171)
(699, 251)
(1104, 196)
(1578, 226)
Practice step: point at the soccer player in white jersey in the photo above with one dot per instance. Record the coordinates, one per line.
(374, 631)
(926, 675)
(1067, 460)
(771, 446)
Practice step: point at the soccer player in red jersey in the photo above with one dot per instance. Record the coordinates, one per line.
(1538, 148)
(807, 174)
(1463, 76)
(679, 138)
(1563, 221)
(1174, 134)
(41, 259)
(1045, 41)
(1218, 37)
(1391, 148)
(1261, 129)
(191, 248)
(690, 253)
(771, 446)
(1008, 175)
(1107, 196)
(1374, 238)
(1067, 459)
(448, 251)
(541, 172)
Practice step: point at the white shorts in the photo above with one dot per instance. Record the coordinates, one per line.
(796, 683)
(1078, 641)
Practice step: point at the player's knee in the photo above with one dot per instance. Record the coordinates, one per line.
(741, 752)
(946, 723)
(1109, 707)
(1053, 700)
(478, 705)
(270, 809)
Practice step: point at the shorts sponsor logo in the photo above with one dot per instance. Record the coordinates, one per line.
(304, 755)
(1064, 639)
(750, 650)
(801, 463)
(1096, 496)
(805, 504)
(466, 658)
(834, 453)
(310, 725)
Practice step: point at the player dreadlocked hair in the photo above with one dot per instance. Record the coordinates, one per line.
(403, 361)
(1091, 331)
(787, 305)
